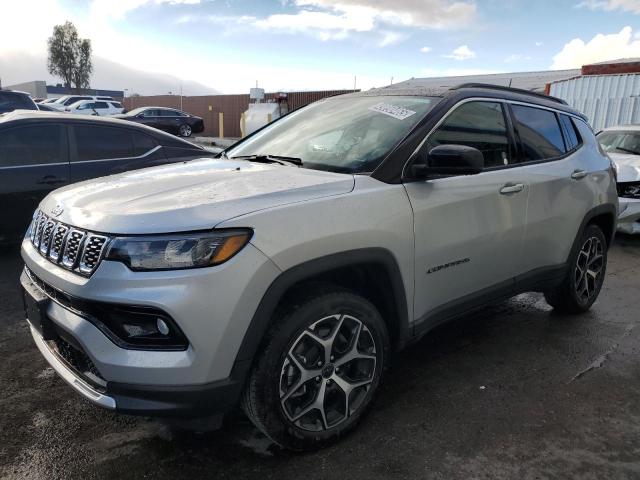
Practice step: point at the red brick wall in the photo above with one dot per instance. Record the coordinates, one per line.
(231, 105)
(611, 68)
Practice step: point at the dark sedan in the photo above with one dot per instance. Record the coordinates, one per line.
(41, 151)
(167, 119)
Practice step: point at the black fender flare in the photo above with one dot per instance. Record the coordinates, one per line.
(605, 208)
(263, 316)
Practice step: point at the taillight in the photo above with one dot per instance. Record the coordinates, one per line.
(614, 169)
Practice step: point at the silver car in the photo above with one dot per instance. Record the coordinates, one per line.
(283, 275)
(622, 143)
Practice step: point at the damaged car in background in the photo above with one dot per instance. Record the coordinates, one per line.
(622, 144)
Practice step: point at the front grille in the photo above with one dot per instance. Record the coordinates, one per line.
(629, 190)
(77, 250)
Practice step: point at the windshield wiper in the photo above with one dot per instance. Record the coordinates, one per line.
(626, 150)
(270, 159)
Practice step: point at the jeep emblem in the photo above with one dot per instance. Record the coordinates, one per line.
(57, 211)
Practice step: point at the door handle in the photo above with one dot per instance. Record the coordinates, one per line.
(512, 188)
(51, 180)
(579, 174)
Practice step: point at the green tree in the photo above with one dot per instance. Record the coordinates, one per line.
(70, 56)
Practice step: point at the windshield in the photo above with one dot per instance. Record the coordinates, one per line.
(620, 142)
(136, 111)
(348, 134)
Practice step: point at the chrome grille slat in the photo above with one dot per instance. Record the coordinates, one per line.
(71, 248)
(93, 247)
(47, 230)
(41, 221)
(57, 242)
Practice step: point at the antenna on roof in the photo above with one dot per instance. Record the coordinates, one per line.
(510, 81)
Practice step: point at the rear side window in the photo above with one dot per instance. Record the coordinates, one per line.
(100, 143)
(32, 145)
(570, 135)
(143, 143)
(116, 104)
(86, 106)
(101, 105)
(479, 125)
(11, 101)
(539, 133)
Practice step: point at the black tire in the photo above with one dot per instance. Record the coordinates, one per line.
(262, 396)
(570, 296)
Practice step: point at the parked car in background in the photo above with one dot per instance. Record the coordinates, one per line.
(46, 108)
(67, 100)
(282, 276)
(622, 143)
(167, 119)
(95, 107)
(41, 151)
(11, 100)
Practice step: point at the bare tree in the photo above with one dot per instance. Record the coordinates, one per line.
(70, 56)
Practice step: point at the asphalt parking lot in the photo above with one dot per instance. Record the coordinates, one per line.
(514, 391)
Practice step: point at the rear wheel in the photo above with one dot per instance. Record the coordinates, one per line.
(184, 130)
(319, 370)
(582, 285)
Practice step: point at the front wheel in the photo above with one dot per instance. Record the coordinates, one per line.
(584, 279)
(319, 370)
(184, 130)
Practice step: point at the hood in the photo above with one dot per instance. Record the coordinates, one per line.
(628, 166)
(195, 195)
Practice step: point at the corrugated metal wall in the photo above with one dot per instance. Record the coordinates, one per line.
(607, 100)
(209, 106)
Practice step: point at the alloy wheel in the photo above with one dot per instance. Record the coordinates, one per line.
(588, 271)
(185, 130)
(327, 373)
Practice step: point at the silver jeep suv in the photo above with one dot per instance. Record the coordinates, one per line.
(283, 275)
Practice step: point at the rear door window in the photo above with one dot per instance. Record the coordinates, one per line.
(480, 125)
(539, 133)
(32, 145)
(101, 105)
(101, 143)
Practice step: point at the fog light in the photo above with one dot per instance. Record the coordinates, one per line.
(163, 328)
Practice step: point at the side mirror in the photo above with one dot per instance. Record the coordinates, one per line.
(450, 160)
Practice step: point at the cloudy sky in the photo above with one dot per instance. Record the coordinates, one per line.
(226, 45)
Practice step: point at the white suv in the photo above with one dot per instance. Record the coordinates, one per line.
(283, 275)
(95, 107)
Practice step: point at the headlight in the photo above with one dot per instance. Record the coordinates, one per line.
(178, 251)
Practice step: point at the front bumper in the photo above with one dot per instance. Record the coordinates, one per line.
(629, 216)
(212, 306)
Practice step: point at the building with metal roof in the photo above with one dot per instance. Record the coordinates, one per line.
(533, 81)
(608, 93)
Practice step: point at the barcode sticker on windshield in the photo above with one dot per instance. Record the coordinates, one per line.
(393, 111)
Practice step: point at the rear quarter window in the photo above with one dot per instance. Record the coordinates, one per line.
(571, 137)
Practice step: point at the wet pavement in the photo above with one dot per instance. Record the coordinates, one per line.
(514, 391)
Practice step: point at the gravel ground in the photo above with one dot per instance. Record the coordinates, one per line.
(513, 391)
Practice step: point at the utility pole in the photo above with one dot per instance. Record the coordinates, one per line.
(355, 78)
(180, 97)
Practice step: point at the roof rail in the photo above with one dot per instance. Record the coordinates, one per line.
(488, 86)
